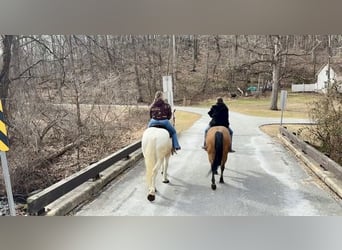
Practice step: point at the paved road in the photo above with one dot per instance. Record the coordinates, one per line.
(261, 178)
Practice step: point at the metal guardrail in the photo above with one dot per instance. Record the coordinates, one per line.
(36, 203)
(324, 161)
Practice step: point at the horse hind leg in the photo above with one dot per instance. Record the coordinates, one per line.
(152, 187)
(151, 193)
(221, 177)
(149, 171)
(151, 176)
(164, 171)
(213, 185)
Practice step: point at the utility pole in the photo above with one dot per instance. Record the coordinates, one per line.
(329, 56)
(174, 63)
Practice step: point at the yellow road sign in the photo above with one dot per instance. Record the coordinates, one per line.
(4, 145)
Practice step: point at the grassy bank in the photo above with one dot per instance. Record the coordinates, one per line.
(297, 105)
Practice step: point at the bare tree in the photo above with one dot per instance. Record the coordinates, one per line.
(218, 51)
(276, 65)
(195, 53)
(206, 73)
(150, 64)
(7, 41)
(136, 69)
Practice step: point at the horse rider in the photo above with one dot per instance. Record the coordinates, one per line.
(219, 114)
(160, 114)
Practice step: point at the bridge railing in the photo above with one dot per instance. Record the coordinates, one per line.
(37, 202)
(324, 161)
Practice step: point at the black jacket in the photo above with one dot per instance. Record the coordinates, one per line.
(219, 114)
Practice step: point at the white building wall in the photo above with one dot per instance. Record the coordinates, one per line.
(322, 77)
(320, 85)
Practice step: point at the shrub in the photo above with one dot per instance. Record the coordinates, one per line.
(327, 113)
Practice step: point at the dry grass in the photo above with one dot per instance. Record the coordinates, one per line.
(271, 130)
(297, 105)
(302, 131)
(185, 120)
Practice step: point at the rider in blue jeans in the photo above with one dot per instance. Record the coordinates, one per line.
(160, 114)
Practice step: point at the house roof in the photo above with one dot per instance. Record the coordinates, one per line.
(337, 67)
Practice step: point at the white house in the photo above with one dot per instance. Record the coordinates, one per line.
(322, 77)
(322, 80)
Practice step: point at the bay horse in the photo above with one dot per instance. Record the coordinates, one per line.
(156, 146)
(218, 143)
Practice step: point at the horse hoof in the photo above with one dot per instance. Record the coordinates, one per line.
(166, 181)
(151, 197)
(221, 181)
(213, 186)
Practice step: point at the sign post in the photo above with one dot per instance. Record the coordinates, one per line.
(4, 147)
(283, 98)
(167, 89)
(168, 92)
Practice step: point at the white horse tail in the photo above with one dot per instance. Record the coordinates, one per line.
(150, 159)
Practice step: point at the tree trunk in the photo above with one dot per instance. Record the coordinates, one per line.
(275, 85)
(236, 47)
(329, 56)
(151, 68)
(136, 69)
(60, 74)
(218, 50)
(195, 53)
(276, 64)
(160, 59)
(169, 56)
(314, 61)
(72, 60)
(16, 57)
(111, 56)
(206, 76)
(92, 64)
(174, 64)
(15, 73)
(4, 73)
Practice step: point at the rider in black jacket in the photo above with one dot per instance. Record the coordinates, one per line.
(219, 114)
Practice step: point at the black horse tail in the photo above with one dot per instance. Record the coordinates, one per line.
(218, 151)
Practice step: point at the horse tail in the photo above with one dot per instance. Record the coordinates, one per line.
(150, 158)
(218, 151)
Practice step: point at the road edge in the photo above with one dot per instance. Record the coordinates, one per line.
(327, 177)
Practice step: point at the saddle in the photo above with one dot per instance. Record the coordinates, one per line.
(163, 127)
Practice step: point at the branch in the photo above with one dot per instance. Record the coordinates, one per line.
(40, 162)
(43, 44)
(254, 62)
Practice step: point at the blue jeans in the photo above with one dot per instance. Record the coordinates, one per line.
(169, 127)
(230, 132)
